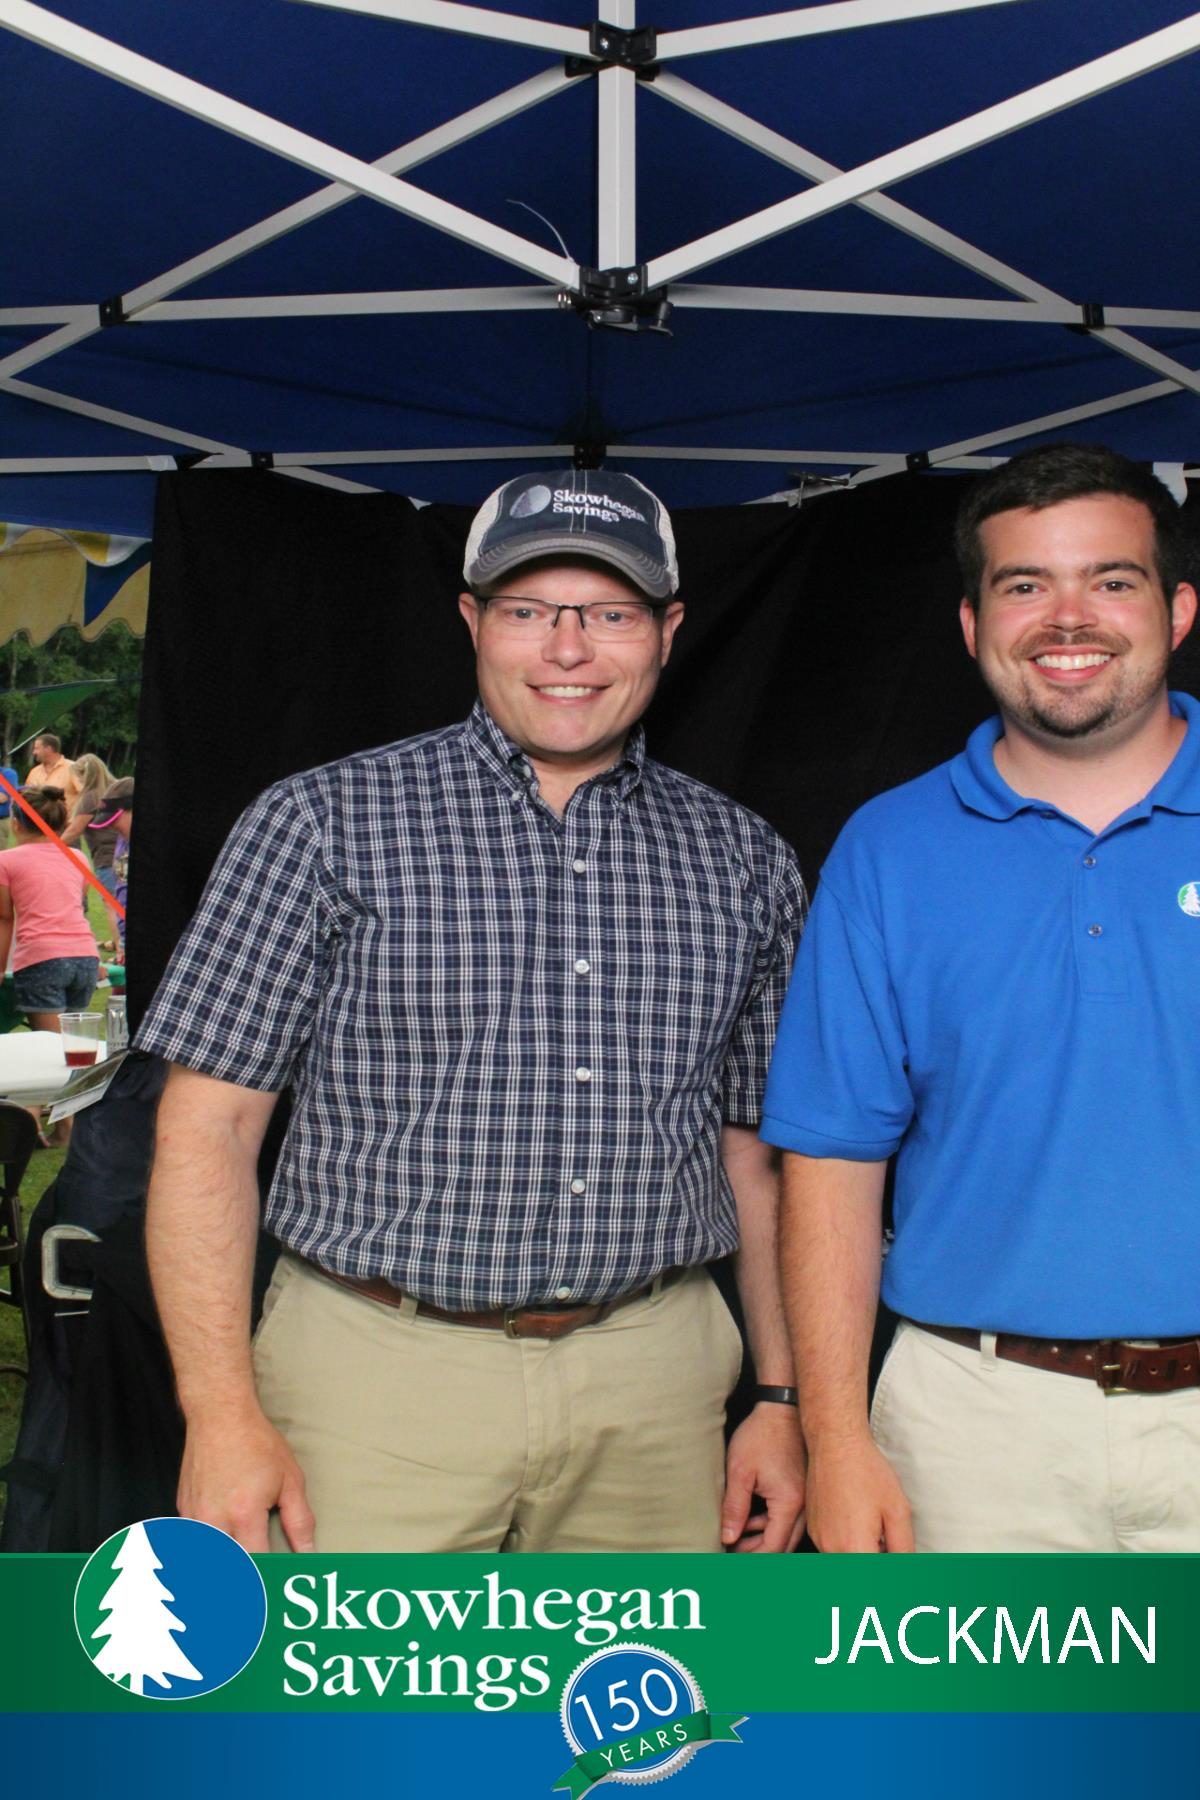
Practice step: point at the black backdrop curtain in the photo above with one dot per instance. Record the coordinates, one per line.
(820, 660)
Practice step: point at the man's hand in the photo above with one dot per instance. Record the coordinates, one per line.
(855, 1501)
(235, 1473)
(765, 1457)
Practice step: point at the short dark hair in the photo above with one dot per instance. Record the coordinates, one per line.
(48, 737)
(1052, 473)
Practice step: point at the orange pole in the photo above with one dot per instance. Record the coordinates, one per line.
(66, 849)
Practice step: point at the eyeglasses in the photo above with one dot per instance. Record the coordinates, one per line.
(521, 616)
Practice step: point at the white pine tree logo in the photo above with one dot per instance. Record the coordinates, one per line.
(1189, 899)
(140, 1625)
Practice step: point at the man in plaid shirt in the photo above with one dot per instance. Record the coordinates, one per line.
(522, 983)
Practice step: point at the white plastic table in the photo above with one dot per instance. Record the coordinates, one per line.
(33, 1068)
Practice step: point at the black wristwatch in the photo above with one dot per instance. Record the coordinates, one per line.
(781, 1396)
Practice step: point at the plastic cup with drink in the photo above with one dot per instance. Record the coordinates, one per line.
(82, 1036)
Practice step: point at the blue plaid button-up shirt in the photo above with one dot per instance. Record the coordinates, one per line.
(511, 1038)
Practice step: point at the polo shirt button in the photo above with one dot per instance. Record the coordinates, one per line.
(579, 865)
(583, 967)
(562, 1293)
(578, 1186)
(1089, 862)
(582, 1074)
(1095, 931)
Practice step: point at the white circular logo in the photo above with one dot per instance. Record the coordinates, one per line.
(533, 500)
(1189, 899)
(170, 1608)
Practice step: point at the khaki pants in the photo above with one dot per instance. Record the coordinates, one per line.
(995, 1456)
(417, 1435)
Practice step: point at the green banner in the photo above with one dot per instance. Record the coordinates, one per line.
(52, 703)
(697, 1729)
(445, 1634)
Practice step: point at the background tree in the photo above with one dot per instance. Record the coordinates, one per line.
(106, 723)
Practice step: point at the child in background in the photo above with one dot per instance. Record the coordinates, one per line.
(55, 966)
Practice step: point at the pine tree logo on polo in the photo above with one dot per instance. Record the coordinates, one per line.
(635, 1715)
(170, 1608)
(1189, 899)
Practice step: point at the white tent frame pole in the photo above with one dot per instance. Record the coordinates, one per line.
(1052, 311)
(333, 459)
(413, 300)
(616, 163)
(433, 143)
(715, 297)
(47, 315)
(289, 464)
(459, 130)
(618, 453)
(948, 455)
(836, 458)
(43, 348)
(213, 108)
(807, 21)
(1150, 358)
(474, 21)
(456, 131)
(748, 131)
(739, 125)
(1047, 98)
(108, 415)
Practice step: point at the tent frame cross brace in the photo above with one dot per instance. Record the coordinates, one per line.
(621, 290)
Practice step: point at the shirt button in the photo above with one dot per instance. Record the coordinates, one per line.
(578, 1186)
(1095, 931)
(582, 1074)
(582, 967)
(579, 865)
(1089, 862)
(562, 1293)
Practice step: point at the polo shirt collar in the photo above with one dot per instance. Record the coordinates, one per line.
(980, 786)
(1179, 788)
(507, 760)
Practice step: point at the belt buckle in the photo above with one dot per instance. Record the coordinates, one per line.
(511, 1315)
(1107, 1370)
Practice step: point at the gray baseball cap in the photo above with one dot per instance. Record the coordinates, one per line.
(596, 513)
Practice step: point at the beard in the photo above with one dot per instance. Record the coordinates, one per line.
(1076, 712)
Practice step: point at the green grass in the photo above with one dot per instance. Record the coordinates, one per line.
(43, 1167)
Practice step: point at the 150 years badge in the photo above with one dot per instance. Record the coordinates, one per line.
(634, 1714)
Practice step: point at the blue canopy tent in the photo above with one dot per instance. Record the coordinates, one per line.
(413, 244)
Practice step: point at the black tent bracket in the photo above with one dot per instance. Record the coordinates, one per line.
(1091, 317)
(614, 47)
(112, 312)
(618, 299)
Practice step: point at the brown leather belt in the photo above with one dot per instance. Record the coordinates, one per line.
(1114, 1365)
(547, 1321)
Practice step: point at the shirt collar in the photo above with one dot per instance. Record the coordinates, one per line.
(980, 786)
(508, 761)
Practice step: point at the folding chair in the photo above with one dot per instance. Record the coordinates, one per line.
(18, 1140)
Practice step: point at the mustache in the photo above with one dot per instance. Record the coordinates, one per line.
(1043, 639)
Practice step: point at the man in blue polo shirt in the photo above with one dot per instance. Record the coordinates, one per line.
(999, 983)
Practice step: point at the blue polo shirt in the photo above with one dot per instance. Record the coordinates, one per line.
(1012, 1003)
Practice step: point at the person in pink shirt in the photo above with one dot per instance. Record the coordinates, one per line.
(55, 965)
